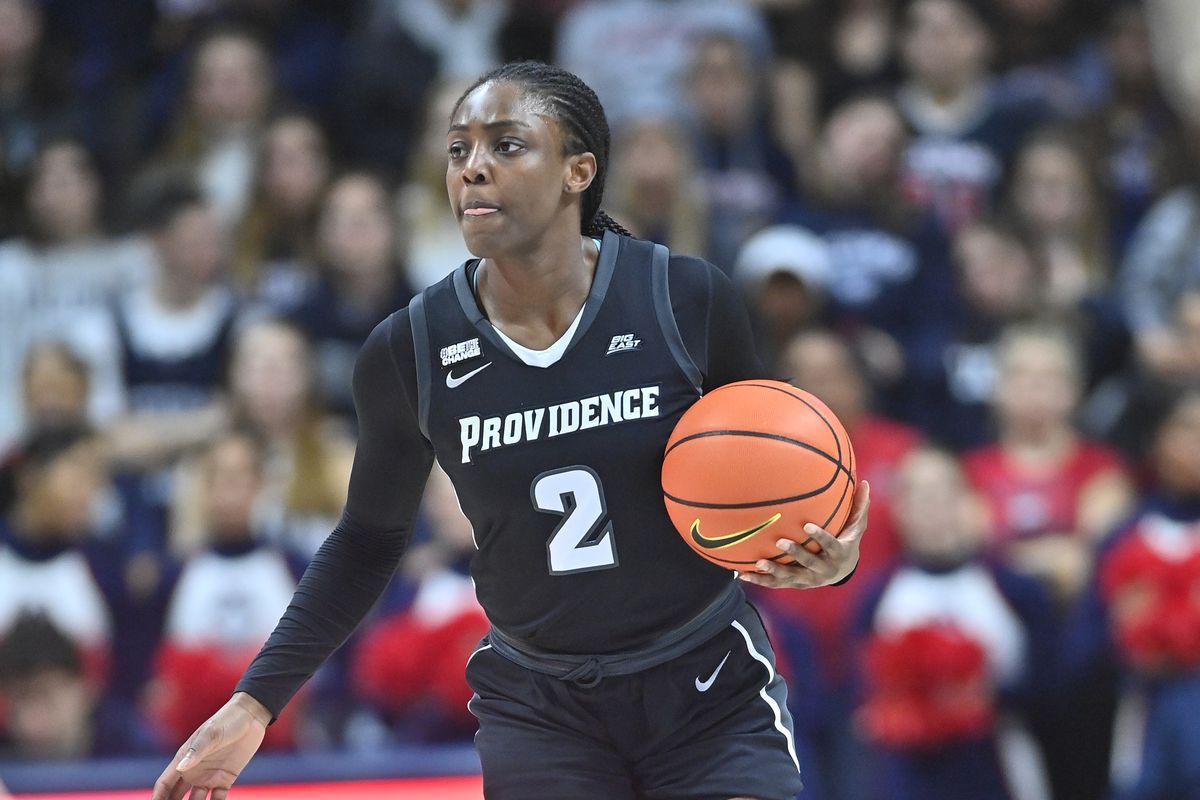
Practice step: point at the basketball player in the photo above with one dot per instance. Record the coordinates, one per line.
(546, 376)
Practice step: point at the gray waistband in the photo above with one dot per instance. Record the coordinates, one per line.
(589, 670)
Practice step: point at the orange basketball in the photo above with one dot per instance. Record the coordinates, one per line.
(753, 462)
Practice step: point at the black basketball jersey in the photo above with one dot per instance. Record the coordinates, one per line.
(558, 468)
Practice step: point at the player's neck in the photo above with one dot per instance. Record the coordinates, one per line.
(534, 298)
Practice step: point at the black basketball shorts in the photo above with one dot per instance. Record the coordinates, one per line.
(711, 724)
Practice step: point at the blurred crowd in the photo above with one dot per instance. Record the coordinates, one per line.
(972, 227)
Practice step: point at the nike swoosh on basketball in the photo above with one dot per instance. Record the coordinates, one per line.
(717, 542)
(453, 382)
(703, 686)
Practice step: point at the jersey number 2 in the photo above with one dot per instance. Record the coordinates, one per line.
(583, 540)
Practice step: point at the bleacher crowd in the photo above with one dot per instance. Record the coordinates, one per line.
(972, 227)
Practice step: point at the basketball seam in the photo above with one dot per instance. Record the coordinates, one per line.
(811, 407)
(828, 456)
(760, 434)
(840, 467)
(838, 471)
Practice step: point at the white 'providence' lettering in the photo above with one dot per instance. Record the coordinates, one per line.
(488, 433)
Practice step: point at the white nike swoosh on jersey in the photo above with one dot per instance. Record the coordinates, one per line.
(702, 686)
(453, 382)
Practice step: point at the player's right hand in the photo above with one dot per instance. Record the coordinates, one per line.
(211, 759)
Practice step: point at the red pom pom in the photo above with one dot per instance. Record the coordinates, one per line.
(1154, 602)
(392, 663)
(403, 662)
(192, 682)
(926, 687)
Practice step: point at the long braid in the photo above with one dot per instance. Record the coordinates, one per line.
(577, 109)
(602, 222)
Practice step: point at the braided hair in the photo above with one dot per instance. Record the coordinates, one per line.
(576, 108)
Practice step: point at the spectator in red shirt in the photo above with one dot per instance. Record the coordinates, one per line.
(1051, 493)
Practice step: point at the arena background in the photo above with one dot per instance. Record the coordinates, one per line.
(971, 226)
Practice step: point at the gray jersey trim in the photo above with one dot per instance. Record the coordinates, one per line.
(606, 264)
(420, 334)
(660, 286)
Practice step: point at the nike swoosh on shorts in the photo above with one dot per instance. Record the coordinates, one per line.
(703, 686)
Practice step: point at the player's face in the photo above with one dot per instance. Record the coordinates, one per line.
(507, 175)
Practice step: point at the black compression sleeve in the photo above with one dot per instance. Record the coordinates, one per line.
(354, 565)
(713, 322)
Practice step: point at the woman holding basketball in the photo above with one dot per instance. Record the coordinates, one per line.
(546, 376)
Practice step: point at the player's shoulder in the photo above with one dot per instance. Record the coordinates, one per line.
(689, 278)
(389, 345)
(692, 278)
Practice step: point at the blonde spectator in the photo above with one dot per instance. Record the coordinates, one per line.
(362, 280)
(272, 387)
(1052, 494)
(274, 252)
(652, 185)
(55, 387)
(217, 130)
(429, 235)
(1056, 198)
